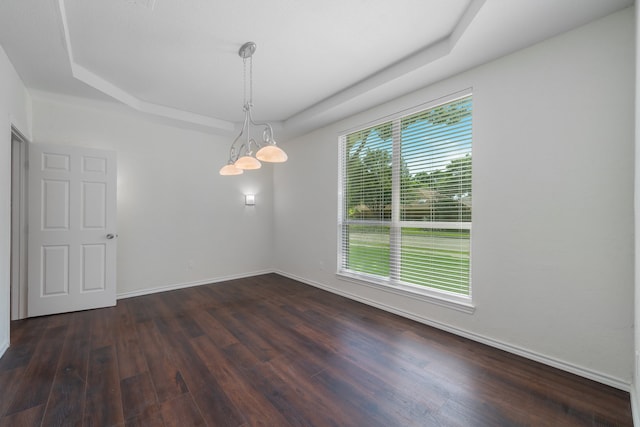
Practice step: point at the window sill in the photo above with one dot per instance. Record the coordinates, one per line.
(443, 299)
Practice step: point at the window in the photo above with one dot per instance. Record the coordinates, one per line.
(405, 202)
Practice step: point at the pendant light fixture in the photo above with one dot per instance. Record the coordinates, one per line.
(241, 156)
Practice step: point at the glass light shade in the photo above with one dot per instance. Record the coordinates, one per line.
(272, 154)
(247, 162)
(230, 170)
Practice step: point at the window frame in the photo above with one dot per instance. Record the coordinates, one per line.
(392, 284)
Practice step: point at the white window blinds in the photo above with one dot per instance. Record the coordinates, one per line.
(405, 208)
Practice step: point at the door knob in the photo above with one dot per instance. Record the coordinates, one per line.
(111, 236)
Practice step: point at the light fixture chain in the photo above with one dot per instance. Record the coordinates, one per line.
(244, 82)
(251, 81)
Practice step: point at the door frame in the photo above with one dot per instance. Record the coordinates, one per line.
(18, 266)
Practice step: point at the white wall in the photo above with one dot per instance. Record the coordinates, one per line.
(14, 110)
(552, 240)
(173, 207)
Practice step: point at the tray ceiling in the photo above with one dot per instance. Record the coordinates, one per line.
(316, 60)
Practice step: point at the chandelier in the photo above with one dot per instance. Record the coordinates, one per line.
(241, 156)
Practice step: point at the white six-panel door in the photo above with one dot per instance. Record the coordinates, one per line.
(71, 228)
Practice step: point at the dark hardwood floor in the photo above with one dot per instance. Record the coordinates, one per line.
(271, 351)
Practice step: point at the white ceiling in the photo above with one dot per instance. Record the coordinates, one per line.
(316, 60)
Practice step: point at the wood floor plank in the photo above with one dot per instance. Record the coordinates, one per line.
(327, 405)
(202, 384)
(131, 360)
(248, 336)
(421, 392)
(180, 314)
(138, 396)
(149, 418)
(24, 340)
(181, 411)
(282, 396)
(102, 327)
(166, 377)
(271, 351)
(103, 399)
(9, 384)
(141, 308)
(66, 402)
(26, 418)
(40, 373)
(214, 329)
(368, 348)
(410, 396)
(252, 406)
(216, 407)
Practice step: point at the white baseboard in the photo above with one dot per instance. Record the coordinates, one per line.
(520, 351)
(165, 288)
